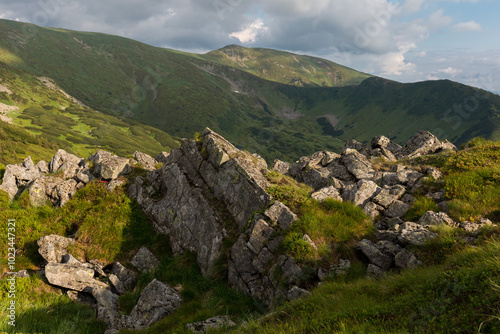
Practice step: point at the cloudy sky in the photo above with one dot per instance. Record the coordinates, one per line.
(404, 40)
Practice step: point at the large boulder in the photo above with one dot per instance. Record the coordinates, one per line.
(361, 192)
(108, 166)
(144, 260)
(66, 162)
(53, 247)
(157, 300)
(357, 164)
(72, 276)
(147, 161)
(16, 177)
(422, 143)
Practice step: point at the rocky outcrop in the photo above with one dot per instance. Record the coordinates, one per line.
(203, 186)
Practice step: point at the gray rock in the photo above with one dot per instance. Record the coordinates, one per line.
(127, 277)
(422, 143)
(355, 145)
(325, 193)
(53, 247)
(374, 254)
(329, 157)
(357, 164)
(63, 160)
(388, 195)
(113, 184)
(84, 175)
(147, 161)
(281, 215)
(360, 193)
(436, 218)
(162, 157)
(280, 166)
(406, 260)
(17, 176)
(42, 166)
(145, 260)
(375, 271)
(63, 192)
(260, 236)
(372, 210)
(74, 277)
(397, 209)
(217, 322)
(341, 268)
(474, 227)
(108, 166)
(414, 234)
(388, 247)
(295, 293)
(157, 300)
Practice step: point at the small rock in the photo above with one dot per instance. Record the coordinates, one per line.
(212, 323)
(295, 293)
(325, 193)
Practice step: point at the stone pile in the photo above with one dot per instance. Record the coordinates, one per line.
(85, 282)
(58, 180)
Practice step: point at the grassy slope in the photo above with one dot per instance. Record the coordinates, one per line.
(286, 67)
(458, 291)
(182, 93)
(57, 122)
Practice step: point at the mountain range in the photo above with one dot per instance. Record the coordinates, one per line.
(275, 103)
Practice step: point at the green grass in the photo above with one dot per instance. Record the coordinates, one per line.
(459, 296)
(333, 226)
(109, 227)
(182, 93)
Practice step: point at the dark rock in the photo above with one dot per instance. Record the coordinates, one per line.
(295, 293)
(145, 260)
(162, 157)
(374, 254)
(217, 322)
(281, 215)
(157, 300)
(397, 209)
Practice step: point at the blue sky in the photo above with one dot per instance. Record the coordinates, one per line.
(403, 40)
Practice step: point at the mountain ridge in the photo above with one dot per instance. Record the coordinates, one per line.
(183, 93)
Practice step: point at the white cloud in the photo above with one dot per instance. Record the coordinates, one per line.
(250, 32)
(431, 77)
(467, 26)
(450, 71)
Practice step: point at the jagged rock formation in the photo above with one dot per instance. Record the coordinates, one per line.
(207, 191)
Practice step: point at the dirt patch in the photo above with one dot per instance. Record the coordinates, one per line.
(5, 89)
(290, 113)
(5, 109)
(334, 120)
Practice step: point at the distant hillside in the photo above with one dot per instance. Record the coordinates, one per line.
(183, 93)
(44, 118)
(285, 67)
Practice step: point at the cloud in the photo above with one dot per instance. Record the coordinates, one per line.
(467, 26)
(450, 71)
(250, 32)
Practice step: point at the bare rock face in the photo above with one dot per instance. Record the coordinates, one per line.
(162, 157)
(202, 185)
(325, 193)
(18, 176)
(157, 300)
(108, 166)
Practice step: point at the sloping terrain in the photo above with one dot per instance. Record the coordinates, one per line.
(183, 93)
